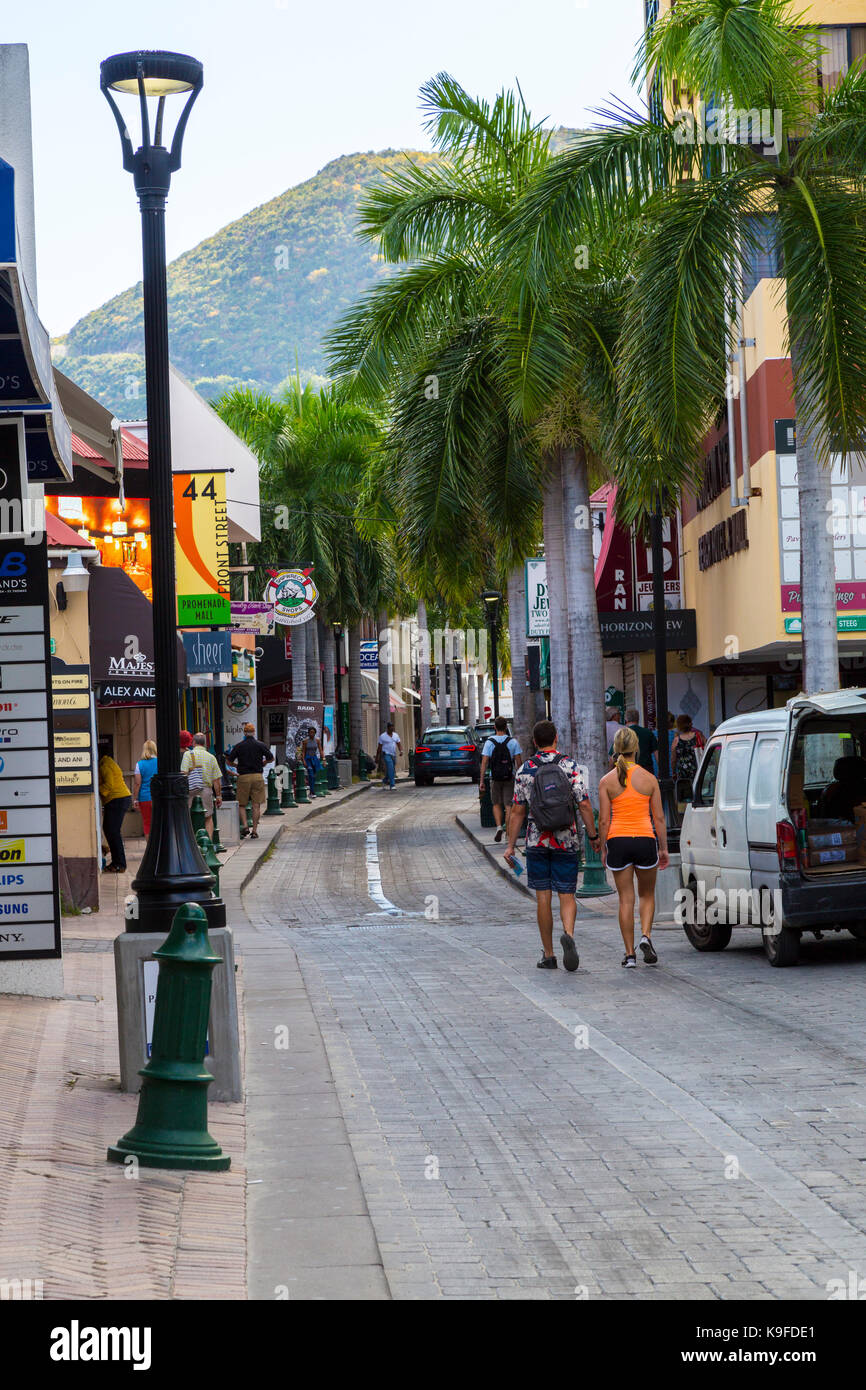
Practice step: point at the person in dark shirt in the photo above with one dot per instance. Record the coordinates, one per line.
(646, 739)
(248, 758)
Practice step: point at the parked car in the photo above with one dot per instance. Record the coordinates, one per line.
(776, 823)
(483, 732)
(446, 752)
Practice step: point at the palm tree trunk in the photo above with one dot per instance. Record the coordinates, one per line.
(327, 649)
(356, 720)
(817, 562)
(424, 664)
(517, 634)
(384, 672)
(554, 551)
(299, 663)
(470, 697)
(586, 673)
(314, 667)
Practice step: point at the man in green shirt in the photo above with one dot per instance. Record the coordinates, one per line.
(647, 741)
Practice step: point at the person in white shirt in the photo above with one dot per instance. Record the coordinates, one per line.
(389, 747)
(612, 727)
(502, 768)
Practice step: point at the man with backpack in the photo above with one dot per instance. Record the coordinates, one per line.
(502, 754)
(551, 787)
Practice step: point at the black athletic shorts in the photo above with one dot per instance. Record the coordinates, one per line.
(641, 851)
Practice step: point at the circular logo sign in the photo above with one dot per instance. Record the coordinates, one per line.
(238, 700)
(293, 594)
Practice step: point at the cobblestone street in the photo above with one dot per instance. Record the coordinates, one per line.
(690, 1131)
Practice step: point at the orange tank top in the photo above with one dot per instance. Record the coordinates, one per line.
(629, 813)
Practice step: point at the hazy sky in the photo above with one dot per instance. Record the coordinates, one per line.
(289, 85)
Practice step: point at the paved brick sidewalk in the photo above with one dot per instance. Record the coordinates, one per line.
(67, 1216)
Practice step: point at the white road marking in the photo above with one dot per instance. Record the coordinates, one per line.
(374, 872)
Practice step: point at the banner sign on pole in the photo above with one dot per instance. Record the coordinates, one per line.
(293, 595)
(201, 546)
(369, 656)
(537, 600)
(207, 652)
(255, 618)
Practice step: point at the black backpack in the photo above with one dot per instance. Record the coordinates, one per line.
(501, 762)
(551, 800)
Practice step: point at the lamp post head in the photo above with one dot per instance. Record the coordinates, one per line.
(151, 73)
(491, 599)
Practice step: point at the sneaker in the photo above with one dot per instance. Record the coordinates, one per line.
(498, 836)
(254, 834)
(629, 962)
(648, 950)
(570, 958)
(547, 963)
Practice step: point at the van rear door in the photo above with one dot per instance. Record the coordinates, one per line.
(735, 875)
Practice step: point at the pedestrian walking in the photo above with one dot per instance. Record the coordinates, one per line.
(145, 769)
(686, 749)
(647, 741)
(612, 725)
(204, 775)
(116, 801)
(634, 841)
(388, 748)
(248, 759)
(502, 754)
(550, 788)
(313, 757)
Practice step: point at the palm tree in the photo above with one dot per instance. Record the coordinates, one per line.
(315, 451)
(698, 214)
(467, 470)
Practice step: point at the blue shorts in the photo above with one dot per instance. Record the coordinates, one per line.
(554, 869)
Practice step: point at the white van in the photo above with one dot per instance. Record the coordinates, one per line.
(771, 838)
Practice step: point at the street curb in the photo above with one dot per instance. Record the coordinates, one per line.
(494, 859)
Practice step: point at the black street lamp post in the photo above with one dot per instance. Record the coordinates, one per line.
(172, 871)
(492, 599)
(340, 750)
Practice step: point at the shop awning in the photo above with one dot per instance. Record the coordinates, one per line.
(121, 639)
(29, 387)
(62, 537)
(370, 692)
(94, 426)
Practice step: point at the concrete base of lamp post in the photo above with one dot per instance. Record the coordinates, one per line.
(132, 950)
(344, 771)
(41, 979)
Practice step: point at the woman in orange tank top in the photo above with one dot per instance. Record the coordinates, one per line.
(631, 827)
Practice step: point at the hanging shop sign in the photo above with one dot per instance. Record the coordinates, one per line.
(293, 595)
(537, 599)
(633, 632)
(253, 617)
(369, 656)
(201, 550)
(207, 653)
(29, 891)
(643, 567)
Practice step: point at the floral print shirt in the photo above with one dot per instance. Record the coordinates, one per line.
(549, 839)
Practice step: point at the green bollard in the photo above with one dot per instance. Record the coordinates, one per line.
(170, 1129)
(301, 785)
(321, 783)
(595, 884)
(197, 815)
(216, 842)
(209, 857)
(287, 800)
(362, 766)
(333, 775)
(273, 806)
(486, 804)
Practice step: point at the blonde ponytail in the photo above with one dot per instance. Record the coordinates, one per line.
(625, 747)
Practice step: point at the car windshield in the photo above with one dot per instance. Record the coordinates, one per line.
(440, 736)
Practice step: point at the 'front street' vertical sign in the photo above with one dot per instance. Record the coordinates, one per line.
(29, 897)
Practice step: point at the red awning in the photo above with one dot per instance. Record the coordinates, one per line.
(63, 536)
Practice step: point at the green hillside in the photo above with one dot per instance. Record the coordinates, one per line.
(252, 300)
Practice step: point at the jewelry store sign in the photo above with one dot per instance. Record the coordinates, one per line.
(29, 895)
